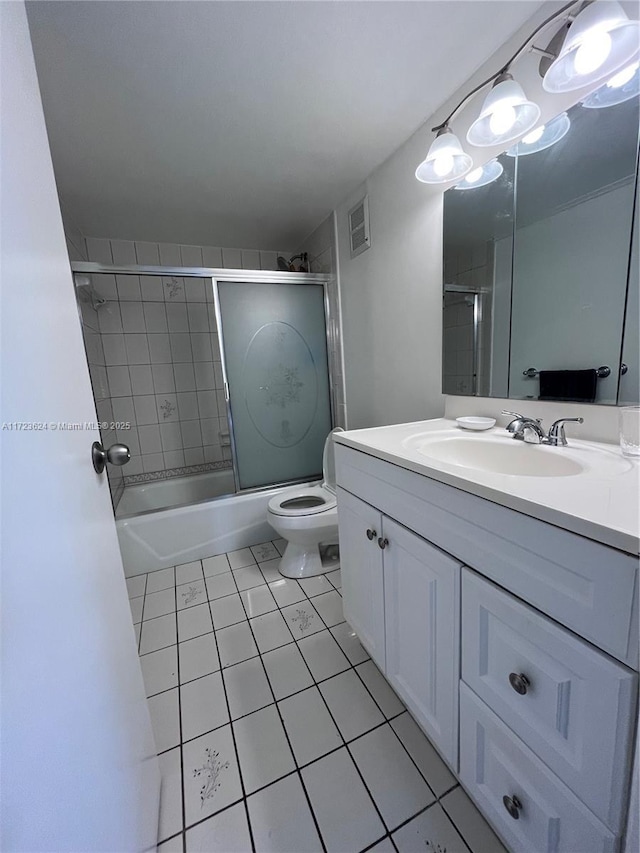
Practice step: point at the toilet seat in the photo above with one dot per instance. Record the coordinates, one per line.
(311, 500)
(308, 500)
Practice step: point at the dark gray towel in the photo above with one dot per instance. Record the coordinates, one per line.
(578, 386)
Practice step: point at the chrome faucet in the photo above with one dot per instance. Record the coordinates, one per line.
(530, 430)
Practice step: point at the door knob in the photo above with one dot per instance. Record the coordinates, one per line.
(117, 454)
(513, 806)
(371, 534)
(519, 682)
(382, 543)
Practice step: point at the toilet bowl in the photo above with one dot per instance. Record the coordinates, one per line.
(307, 517)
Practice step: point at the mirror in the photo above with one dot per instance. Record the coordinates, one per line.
(540, 289)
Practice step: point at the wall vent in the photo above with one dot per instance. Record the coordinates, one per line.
(359, 235)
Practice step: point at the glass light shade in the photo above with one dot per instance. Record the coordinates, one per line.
(506, 114)
(446, 161)
(601, 41)
(482, 176)
(542, 137)
(623, 86)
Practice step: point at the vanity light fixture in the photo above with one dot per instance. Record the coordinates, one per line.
(445, 161)
(506, 114)
(542, 137)
(597, 43)
(482, 176)
(601, 41)
(623, 86)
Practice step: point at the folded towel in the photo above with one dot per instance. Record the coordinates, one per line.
(577, 386)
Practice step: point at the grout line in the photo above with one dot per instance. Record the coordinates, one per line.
(286, 734)
(315, 684)
(233, 737)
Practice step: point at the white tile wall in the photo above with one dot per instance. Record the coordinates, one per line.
(154, 355)
(107, 251)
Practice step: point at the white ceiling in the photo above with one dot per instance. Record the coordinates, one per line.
(242, 123)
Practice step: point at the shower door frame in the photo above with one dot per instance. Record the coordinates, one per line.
(216, 275)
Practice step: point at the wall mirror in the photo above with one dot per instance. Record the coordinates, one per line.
(541, 264)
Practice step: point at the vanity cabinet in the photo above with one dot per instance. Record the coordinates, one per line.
(512, 642)
(400, 595)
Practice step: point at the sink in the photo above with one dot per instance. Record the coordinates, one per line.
(498, 455)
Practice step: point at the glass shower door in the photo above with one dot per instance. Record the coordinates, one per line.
(275, 351)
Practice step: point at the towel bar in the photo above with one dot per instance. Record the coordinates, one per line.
(601, 372)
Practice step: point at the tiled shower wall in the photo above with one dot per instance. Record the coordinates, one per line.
(127, 252)
(158, 371)
(163, 370)
(93, 344)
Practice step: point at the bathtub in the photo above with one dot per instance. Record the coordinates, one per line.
(156, 538)
(174, 492)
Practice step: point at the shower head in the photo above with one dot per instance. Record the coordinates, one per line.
(287, 265)
(87, 292)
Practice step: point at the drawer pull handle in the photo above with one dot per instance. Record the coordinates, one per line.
(520, 683)
(382, 543)
(371, 534)
(513, 806)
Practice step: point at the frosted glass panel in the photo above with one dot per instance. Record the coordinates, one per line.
(275, 349)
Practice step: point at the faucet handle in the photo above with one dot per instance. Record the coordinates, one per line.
(518, 417)
(557, 435)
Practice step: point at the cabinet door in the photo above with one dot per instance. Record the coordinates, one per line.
(421, 592)
(361, 564)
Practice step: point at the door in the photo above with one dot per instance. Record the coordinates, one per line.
(79, 771)
(360, 525)
(421, 599)
(275, 357)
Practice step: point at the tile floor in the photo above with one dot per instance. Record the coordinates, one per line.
(275, 730)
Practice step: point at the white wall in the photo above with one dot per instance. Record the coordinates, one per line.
(391, 293)
(321, 247)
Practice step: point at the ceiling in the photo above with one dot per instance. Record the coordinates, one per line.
(242, 123)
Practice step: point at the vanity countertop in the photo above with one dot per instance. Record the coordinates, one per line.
(602, 502)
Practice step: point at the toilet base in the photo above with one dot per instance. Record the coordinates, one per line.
(306, 562)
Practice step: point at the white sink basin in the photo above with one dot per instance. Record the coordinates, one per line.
(498, 455)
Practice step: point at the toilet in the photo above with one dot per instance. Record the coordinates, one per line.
(307, 517)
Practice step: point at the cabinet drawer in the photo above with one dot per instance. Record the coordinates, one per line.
(494, 764)
(576, 708)
(586, 586)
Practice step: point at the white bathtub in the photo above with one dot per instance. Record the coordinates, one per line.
(174, 492)
(168, 537)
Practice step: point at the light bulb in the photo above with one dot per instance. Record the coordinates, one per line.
(618, 80)
(534, 136)
(503, 117)
(443, 164)
(593, 52)
(474, 176)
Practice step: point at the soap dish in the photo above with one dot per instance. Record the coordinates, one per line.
(476, 423)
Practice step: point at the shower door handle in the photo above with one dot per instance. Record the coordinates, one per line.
(117, 454)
